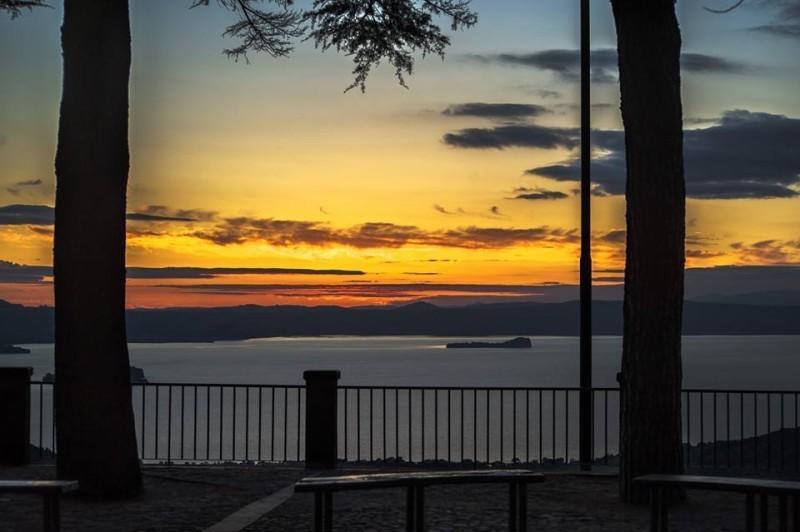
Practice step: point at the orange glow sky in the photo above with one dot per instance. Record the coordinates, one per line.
(272, 165)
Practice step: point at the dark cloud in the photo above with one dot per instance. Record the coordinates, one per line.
(176, 272)
(566, 63)
(288, 233)
(534, 194)
(22, 273)
(615, 236)
(26, 215)
(744, 155)
(768, 251)
(144, 217)
(497, 111)
(42, 215)
(494, 210)
(786, 22)
(30, 183)
(521, 136)
(166, 214)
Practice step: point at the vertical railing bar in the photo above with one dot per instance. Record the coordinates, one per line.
(298, 423)
(247, 424)
(541, 428)
(194, 426)
(462, 425)
(358, 424)
(475, 426)
(144, 412)
(260, 415)
(605, 426)
(715, 430)
(755, 430)
(728, 427)
(371, 422)
(285, 424)
(783, 413)
(796, 453)
(397, 423)
(208, 422)
(566, 427)
(157, 409)
(702, 428)
(436, 424)
(233, 424)
(422, 422)
(183, 402)
(688, 427)
(383, 409)
(169, 424)
(488, 424)
(221, 418)
(514, 425)
(553, 435)
(741, 430)
(272, 426)
(769, 431)
(449, 445)
(527, 426)
(410, 428)
(502, 431)
(41, 420)
(346, 433)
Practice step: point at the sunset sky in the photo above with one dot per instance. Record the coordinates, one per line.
(460, 188)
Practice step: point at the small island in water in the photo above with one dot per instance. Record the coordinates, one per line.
(520, 342)
(8, 349)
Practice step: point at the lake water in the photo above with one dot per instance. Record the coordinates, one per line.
(263, 423)
(760, 362)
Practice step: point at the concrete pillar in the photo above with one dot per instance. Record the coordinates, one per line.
(321, 423)
(15, 415)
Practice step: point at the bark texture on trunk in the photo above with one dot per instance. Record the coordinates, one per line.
(95, 430)
(649, 44)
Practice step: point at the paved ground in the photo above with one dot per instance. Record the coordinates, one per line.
(192, 498)
(175, 499)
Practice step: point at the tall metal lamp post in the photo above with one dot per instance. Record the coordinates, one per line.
(586, 403)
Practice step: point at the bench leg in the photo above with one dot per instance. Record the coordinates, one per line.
(663, 505)
(750, 513)
(764, 513)
(796, 518)
(522, 507)
(513, 499)
(410, 521)
(783, 514)
(52, 517)
(328, 517)
(655, 512)
(318, 508)
(419, 509)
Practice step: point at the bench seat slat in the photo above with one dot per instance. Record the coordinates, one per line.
(423, 478)
(742, 485)
(37, 486)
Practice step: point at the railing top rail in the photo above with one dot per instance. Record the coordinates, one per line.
(451, 388)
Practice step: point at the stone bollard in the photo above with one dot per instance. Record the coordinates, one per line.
(321, 423)
(15, 415)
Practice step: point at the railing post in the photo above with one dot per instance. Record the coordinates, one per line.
(15, 415)
(321, 421)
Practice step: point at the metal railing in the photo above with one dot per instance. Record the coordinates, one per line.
(733, 430)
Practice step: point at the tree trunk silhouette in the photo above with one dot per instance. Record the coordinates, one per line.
(95, 430)
(649, 45)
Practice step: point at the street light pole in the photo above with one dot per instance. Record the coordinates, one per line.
(585, 451)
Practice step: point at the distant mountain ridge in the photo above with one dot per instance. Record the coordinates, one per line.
(21, 325)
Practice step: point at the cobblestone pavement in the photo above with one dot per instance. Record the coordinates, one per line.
(192, 498)
(175, 499)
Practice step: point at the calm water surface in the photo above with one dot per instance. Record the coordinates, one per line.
(762, 362)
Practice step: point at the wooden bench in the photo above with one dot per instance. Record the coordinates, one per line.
(50, 490)
(415, 483)
(659, 485)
